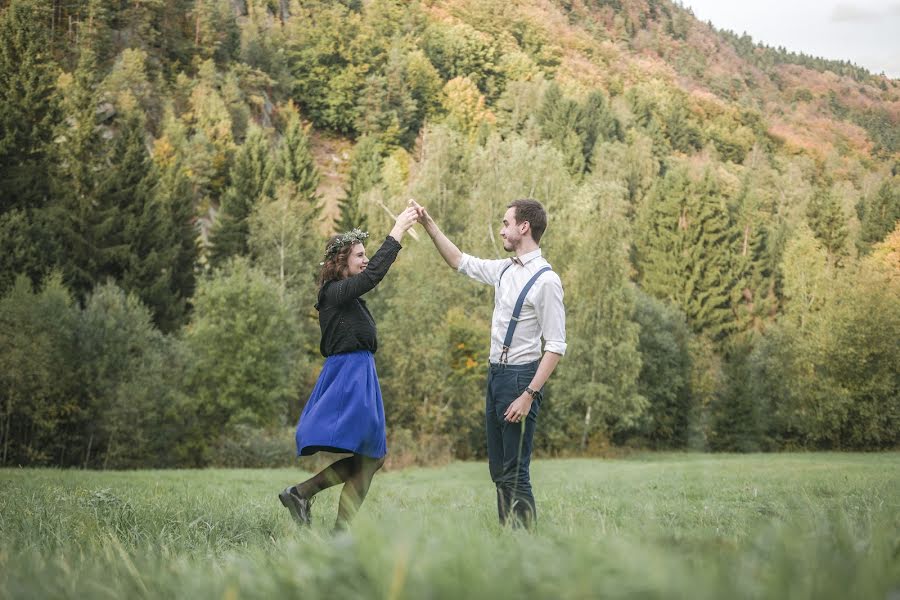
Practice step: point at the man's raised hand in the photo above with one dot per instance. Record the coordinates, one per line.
(423, 216)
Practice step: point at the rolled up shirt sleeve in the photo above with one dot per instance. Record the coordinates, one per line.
(551, 315)
(479, 269)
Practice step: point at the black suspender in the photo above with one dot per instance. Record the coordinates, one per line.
(517, 310)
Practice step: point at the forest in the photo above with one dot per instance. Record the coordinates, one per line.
(725, 218)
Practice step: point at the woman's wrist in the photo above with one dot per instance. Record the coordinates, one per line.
(396, 233)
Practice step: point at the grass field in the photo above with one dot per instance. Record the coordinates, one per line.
(651, 526)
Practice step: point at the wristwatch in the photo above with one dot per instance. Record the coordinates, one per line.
(533, 393)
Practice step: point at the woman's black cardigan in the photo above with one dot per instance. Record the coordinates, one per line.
(345, 321)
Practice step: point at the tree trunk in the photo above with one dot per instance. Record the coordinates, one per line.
(587, 425)
(281, 254)
(87, 455)
(197, 27)
(109, 449)
(6, 429)
(587, 414)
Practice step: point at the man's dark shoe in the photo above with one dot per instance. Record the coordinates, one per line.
(299, 507)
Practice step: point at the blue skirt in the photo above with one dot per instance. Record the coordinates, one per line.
(344, 412)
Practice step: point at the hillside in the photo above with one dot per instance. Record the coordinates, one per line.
(827, 110)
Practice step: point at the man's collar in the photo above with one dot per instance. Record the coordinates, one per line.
(527, 258)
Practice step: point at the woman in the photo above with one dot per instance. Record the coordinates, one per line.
(344, 412)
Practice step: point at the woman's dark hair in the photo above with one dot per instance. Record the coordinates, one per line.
(531, 211)
(334, 266)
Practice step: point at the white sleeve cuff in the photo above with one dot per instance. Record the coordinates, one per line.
(555, 347)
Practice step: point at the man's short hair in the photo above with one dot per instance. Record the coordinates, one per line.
(533, 212)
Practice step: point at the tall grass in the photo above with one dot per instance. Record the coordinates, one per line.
(653, 526)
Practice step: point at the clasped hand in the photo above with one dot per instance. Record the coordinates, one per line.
(421, 214)
(407, 218)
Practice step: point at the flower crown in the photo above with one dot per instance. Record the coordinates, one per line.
(354, 236)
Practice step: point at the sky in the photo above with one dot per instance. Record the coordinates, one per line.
(865, 32)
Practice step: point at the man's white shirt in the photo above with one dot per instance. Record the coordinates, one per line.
(543, 313)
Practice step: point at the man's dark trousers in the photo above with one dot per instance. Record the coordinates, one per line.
(509, 445)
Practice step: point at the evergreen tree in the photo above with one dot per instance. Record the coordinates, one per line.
(755, 259)
(152, 233)
(880, 213)
(110, 223)
(81, 217)
(175, 193)
(328, 62)
(252, 178)
(560, 119)
(29, 112)
(294, 161)
(365, 173)
(827, 220)
(741, 416)
(216, 32)
(684, 250)
(596, 124)
(386, 106)
(172, 199)
(28, 107)
(206, 145)
(683, 135)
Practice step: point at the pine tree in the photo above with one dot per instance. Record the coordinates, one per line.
(294, 161)
(29, 112)
(216, 32)
(175, 191)
(880, 213)
(285, 241)
(80, 216)
(683, 135)
(596, 124)
(124, 188)
(150, 244)
(109, 219)
(172, 194)
(755, 258)
(685, 250)
(207, 148)
(386, 106)
(28, 107)
(559, 119)
(365, 173)
(827, 220)
(252, 178)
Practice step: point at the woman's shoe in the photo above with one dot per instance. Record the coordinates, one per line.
(299, 507)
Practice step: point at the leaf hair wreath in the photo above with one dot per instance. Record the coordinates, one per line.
(354, 236)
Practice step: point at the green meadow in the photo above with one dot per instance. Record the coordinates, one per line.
(646, 526)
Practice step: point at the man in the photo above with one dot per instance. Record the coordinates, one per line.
(518, 369)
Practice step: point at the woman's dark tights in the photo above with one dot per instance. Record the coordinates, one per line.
(355, 472)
